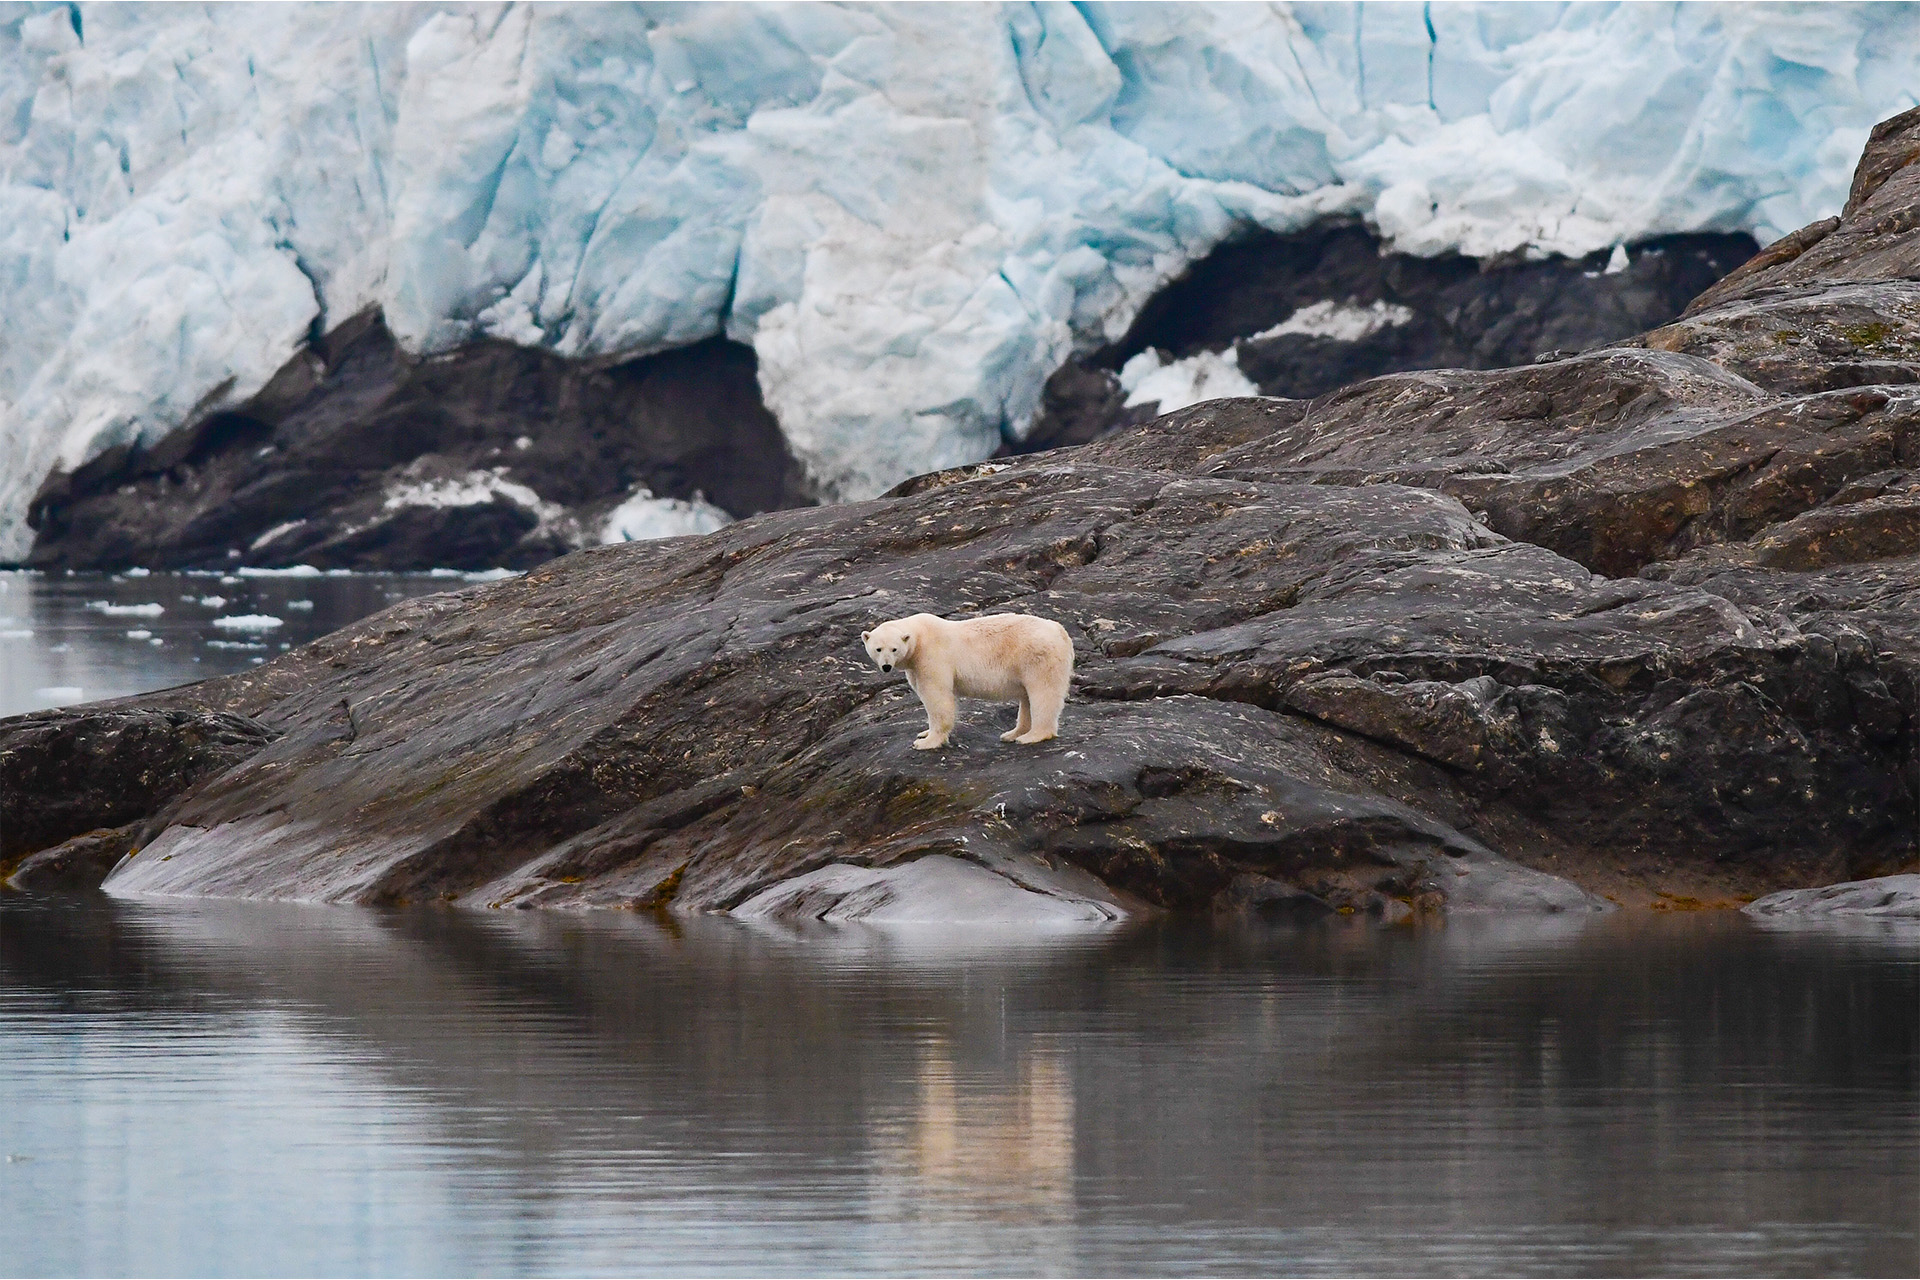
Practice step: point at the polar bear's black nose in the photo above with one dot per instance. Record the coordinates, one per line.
(886, 666)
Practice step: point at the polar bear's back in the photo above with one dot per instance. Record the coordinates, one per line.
(999, 655)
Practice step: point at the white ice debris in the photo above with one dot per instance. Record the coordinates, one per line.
(912, 212)
(1617, 260)
(126, 610)
(249, 622)
(644, 516)
(291, 571)
(1343, 321)
(141, 634)
(213, 602)
(1206, 376)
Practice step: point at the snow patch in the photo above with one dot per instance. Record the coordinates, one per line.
(1210, 375)
(278, 531)
(1341, 321)
(474, 489)
(644, 517)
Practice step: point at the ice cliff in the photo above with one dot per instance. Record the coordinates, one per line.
(913, 214)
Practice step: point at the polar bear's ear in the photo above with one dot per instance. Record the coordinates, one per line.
(865, 634)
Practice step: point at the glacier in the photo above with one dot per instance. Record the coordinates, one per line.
(913, 214)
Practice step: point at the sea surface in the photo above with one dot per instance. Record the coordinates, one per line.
(246, 1089)
(207, 1088)
(67, 638)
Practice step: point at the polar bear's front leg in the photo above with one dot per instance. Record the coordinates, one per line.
(936, 692)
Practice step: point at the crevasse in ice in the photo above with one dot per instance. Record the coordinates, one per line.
(912, 213)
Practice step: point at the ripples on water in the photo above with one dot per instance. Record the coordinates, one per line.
(68, 638)
(237, 1088)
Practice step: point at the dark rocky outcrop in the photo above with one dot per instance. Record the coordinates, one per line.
(1451, 312)
(1636, 618)
(307, 471)
(64, 773)
(80, 863)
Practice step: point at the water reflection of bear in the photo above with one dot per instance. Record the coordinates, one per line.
(981, 1143)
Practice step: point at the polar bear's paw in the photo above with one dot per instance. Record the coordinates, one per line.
(928, 742)
(1027, 739)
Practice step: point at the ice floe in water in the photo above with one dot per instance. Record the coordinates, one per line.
(249, 622)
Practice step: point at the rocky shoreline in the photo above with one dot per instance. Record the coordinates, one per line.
(1638, 624)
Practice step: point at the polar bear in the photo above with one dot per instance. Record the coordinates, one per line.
(1003, 657)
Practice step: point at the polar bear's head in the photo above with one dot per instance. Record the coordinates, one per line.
(890, 644)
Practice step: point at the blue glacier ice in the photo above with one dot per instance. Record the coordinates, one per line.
(912, 213)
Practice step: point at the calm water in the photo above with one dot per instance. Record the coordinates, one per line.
(234, 1089)
(67, 638)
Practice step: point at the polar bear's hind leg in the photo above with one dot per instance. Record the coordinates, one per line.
(1023, 724)
(1046, 694)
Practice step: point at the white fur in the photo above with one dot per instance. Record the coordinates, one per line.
(1003, 657)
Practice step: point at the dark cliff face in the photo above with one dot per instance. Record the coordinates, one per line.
(307, 472)
(1647, 617)
(1450, 312)
(316, 468)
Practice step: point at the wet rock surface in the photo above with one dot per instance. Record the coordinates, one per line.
(64, 773)
(1439, 640)
(356, 457)
(80, 863)
(1887, 897)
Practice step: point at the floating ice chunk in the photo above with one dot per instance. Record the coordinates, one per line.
(113, 610)
(305, 606)
(138, 573)
(233, 644)
(1210, 375)
(1617, 261)
(212, 602)
(249, 622)
(291, 571)
(491, 575)
(1342, 321)
(643, 517)
(140, 635)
